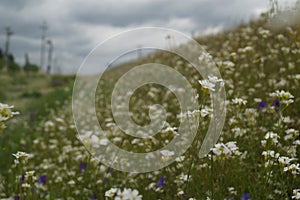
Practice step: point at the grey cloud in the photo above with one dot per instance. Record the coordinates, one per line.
(203, 12)
(76, 26)
(15, 5)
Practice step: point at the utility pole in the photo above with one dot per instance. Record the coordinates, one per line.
(49, 42)
(27, 62)
(43, 36)
(6, 54)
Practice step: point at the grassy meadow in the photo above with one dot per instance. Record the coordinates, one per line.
(256, 157)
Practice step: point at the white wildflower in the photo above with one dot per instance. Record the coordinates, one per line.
(291, 134)
(270, 154)
(283, 160)
(128, 194)
(5, 114)
(239, 101)
(272, 136)
(293, 168)
(25, 185)
(21, 157)
(207, 85)
(71, 182)
(227, 150)
(283, 96)
(296, 194)
(264, 33)
(211, 83)
(132, 194)
(111, 192)
(232, 191)
(205, 57)
(166, 154)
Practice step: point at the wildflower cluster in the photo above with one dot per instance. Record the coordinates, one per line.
(5, 114)
(211, 83)
(226, 151)
(125, 194)
(283, 96)
(256, 157)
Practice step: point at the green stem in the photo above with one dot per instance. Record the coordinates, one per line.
(193, 156)
(212, 175)
(192, 162)
(211, 153)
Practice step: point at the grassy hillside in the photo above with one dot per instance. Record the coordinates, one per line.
(257, 155)
(34, 96)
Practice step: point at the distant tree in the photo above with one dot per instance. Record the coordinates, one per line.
(29, 67)
(13, 67)
(11, 58)
(1, 63)
(1, 59)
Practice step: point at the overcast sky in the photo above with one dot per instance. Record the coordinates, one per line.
(77, 26)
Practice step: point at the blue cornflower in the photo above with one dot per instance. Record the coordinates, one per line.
(94, 196)
(276, 105)
(82, 167)
(245, 196)
(42, 179)
(161, 181)
(22, 178)
(262, 105)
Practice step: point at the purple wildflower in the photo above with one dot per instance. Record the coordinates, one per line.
(82, 167)
(262, 105)
(22, 178)
(42, 179)
(161, 181)
(17, 197)
(94, 196)
(245, 196)
(276, 105)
